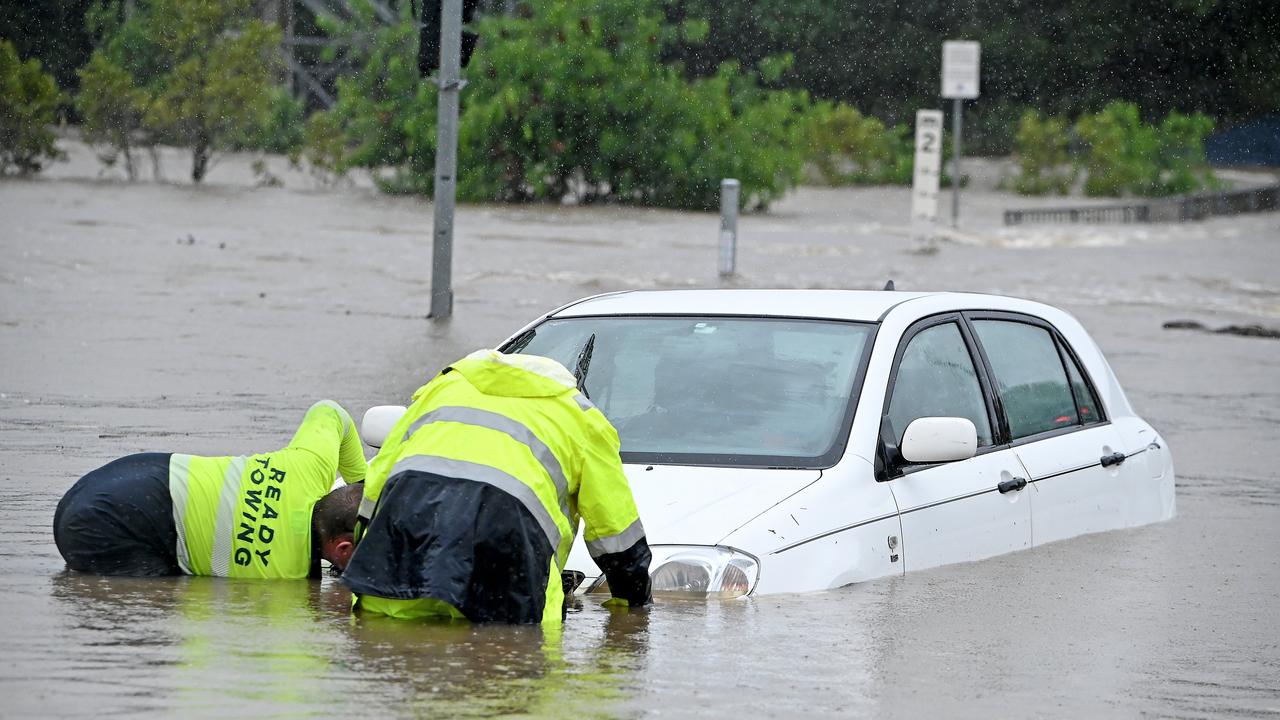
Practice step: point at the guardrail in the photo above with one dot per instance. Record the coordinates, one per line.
(1193, 207)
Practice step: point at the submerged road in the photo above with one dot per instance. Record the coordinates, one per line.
(169, 318)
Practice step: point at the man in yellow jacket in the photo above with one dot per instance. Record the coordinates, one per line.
(270, 515)
(472, 503)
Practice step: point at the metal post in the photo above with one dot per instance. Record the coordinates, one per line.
(446, 158)
(957, 120)
(729, 191)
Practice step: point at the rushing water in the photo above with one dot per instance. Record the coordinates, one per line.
(164, 318)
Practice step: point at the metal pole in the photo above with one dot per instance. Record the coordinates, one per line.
(957, 120)
(446, 158)
(729, 191)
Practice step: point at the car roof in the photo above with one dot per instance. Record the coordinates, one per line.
(860, 305)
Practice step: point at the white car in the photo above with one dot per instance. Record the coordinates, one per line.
(800, 440)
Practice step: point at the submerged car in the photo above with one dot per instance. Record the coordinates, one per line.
(800, 440)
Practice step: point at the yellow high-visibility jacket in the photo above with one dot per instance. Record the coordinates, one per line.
(250, 516)
(518, 423)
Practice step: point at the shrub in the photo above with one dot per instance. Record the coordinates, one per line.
(1043, 155)
(849, 148)
(1183, 166)
(281, 128)
(28, 106)
(1127, 156)
(385, 114)
(1122, 151)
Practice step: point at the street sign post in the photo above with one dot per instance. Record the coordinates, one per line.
(960, 74)
(446, 158)
(928, 166)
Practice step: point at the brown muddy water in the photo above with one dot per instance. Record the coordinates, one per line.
(166, 318)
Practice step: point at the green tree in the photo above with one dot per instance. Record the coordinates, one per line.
(196, 73)
(28, 107)
(112, 108)
(572, 99)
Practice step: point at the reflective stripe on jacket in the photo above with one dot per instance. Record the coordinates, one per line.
(250, 516)
(558, 456)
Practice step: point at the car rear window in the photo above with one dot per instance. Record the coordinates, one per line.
(714, 390)
(1029, 376)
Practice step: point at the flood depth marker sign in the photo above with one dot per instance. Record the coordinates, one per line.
(924, 184)
(960, 71)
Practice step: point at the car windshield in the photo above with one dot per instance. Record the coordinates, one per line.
(714, 390)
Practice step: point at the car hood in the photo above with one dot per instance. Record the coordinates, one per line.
(689, 505)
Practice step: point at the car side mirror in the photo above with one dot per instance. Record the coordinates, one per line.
(939, 439)
(378, 421)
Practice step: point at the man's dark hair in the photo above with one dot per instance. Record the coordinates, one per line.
(335, 513)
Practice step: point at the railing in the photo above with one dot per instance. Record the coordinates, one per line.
(1193, 207)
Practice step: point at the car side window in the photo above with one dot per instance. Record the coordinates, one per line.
(1029, 376)
(1086, 402)
(936, 378)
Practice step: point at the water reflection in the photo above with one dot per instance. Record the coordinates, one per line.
(196, 646)
(455, 669)
(204, 643)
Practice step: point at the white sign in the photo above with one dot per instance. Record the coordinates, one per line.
(960, 62)
(924, 185)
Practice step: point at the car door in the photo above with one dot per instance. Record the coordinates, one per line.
(1055, 424)
(956, 511)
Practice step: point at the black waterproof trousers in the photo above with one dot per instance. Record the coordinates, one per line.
(461, 541)
(118, 519)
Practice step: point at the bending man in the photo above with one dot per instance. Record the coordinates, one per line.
(475, 496)
(262, 516)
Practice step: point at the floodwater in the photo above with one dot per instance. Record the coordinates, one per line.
(166, 318)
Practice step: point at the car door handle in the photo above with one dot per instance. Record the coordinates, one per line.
(1009, 486)
(1115, 458)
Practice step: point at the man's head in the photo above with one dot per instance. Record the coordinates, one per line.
(333, 521)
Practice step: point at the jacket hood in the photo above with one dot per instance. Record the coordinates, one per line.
(515, 375)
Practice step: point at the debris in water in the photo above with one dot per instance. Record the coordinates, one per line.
(1241, 330)
(1249, 331)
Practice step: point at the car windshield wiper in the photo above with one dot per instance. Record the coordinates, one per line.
(583, 364)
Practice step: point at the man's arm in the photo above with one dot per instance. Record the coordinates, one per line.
(614, 534)
(329, 433)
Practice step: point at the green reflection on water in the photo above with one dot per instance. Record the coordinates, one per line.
(230, 647)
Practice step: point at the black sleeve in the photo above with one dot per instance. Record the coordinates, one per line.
(628, 573)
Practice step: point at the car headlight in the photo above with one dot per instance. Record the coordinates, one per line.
(697, 571)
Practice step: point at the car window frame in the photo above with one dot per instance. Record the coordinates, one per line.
(1063, 346)
(887, 468)
(826, 461)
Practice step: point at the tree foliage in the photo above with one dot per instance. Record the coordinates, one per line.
(1065, 59)
(28, 107)
(196, 73)
(1043, 155)
(572, 99)
(846, 147)
(1129, 157)
(52, 31)
(112, 107)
